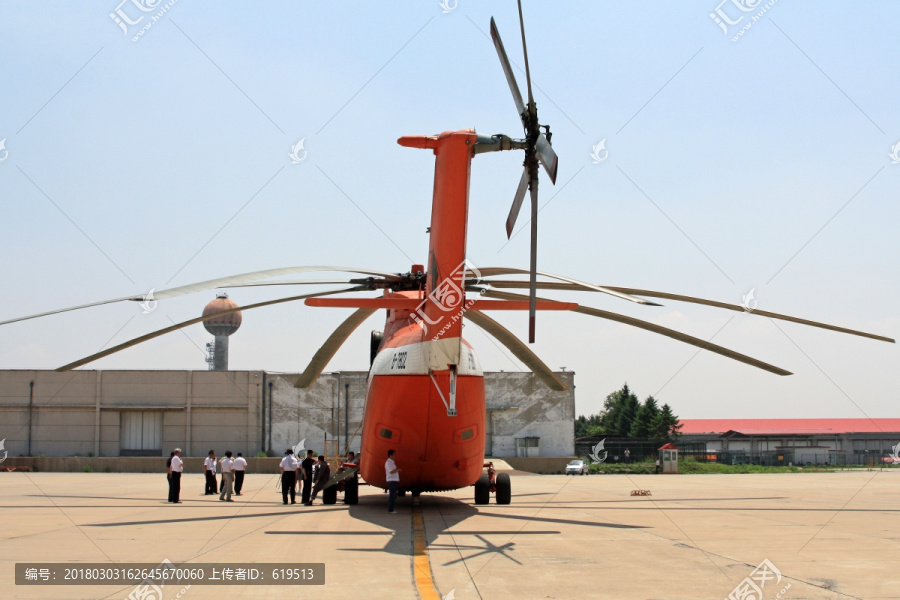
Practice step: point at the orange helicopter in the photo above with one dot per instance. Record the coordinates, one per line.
(425, 396)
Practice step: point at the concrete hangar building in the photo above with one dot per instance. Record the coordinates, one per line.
(797, 441)
(147, 413)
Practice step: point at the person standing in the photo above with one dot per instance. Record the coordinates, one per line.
(657, 466)
(240, 465)
(392, 475)
(209, 467)
(288, 467)
(627, 455)
(227, 478)
(175, 469)
(323, 474)
(306, 468)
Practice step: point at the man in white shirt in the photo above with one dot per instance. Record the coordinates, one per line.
(392, 475)
(227, 477)
(209, 467)
(288, 468)
(240, 465)
(175, 469)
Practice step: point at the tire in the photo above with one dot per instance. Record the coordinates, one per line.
(351, 491)
(329, 495)
(504, 489)
(374, 346)
(483, 489)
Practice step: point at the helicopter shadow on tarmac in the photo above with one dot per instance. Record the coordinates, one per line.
(444, 517)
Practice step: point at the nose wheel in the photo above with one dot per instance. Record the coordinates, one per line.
(491, 481)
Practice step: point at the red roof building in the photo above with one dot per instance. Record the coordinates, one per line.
(804, 441)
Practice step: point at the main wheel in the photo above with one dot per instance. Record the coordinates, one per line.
(351, 491)
(329, 495)
(483, 489)
(504, 489)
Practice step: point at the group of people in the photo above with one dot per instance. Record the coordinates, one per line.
(232, 470)
(314, 473)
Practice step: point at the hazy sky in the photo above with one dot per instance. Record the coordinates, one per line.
(761, 163)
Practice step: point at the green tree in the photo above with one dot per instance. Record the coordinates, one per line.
(620, 409)
(666, 425)
(643, 421)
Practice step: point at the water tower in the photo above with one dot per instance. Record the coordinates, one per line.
(221, 327)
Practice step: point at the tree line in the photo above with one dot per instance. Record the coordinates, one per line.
(623, 414)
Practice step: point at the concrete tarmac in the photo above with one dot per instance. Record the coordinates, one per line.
(825, 535)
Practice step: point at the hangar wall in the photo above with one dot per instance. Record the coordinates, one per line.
(147, 413)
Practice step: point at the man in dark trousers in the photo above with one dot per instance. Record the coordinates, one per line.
(240, 465)
(306, 467)
(392, 476)
(175, 469)
(209, 468)
(288, 468)
(323, 474)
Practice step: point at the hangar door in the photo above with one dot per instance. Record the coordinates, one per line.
(141, 433)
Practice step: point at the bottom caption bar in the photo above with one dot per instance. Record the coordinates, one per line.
(167, 574)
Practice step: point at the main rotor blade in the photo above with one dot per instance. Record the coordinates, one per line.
(547, 156)
(507, 70)
(183, 324)
(762, 313)
(552, 285)
(517, 203)
(211, 284)
(677, 335)
(492, 271)
(234, 280)
(519, 350)
(324, 354)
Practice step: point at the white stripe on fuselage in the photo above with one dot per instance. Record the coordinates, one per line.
(422, 357)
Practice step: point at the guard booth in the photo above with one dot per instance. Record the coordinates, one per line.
(668, 458)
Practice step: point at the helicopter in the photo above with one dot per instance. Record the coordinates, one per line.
(425, 396)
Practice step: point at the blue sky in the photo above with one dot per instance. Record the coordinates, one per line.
(758, 164)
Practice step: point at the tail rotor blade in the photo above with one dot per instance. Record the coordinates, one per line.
(532, 296)
(531, 106)
(507, 70)
(547, 156)
(517, 204)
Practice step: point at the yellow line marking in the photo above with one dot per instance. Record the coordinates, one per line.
(421, 563)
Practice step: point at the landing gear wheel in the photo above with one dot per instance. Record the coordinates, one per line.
(329, 495)
(351, 491)
(483, 489)
(504, 489)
